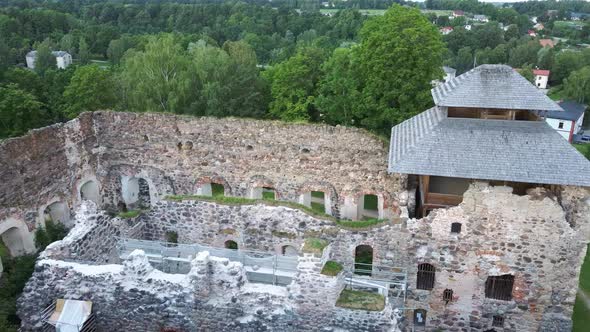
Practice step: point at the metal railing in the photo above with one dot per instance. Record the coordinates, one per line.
(261, 267)
(389, 281)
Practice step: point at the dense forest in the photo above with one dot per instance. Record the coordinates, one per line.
(285, 59)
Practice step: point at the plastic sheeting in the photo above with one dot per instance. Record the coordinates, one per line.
(73, 316)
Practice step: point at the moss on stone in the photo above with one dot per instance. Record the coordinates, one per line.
(331, 268)
(360, 223)
(353, 299)
(284, 235)
(314, 245)
(129, 214)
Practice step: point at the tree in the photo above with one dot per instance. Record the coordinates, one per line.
(399, 55)
(464, 60)
(157, 79)
(339, 89)
(45, 59)
(19, 111)
(523, 54)
(228, 83)
(91, 88)
(565, 63)
(527, 72)
(577, 85)
(83, 52)
(293, 84)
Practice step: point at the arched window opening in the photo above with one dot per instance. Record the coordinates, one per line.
(57, 212)
(456, 227)
(179, 146)
(89, 192)
(419, 317)
(448, 295)
(500, 287)
(425, 278)
(317, 200)
(13, 241)
(217, 190)
(214, 189)
(188, 145)
(230, 244)
(363, 260)
(368, 207)
(268, 193)
(498, 321)
(136, 193)
(288, 250)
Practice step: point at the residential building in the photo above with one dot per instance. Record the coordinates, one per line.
(487, 125)
(458, 13)
(532, 33)
(446, 30)
(547, 43)
(578, 16)
(539, 26)
(481, 18)
(569, 121)
(541, 78)
(63, 59)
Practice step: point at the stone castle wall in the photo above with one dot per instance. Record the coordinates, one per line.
(177, 155)
(524, 236)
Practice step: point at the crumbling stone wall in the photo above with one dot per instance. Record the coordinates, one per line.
(240, 154)
(176, 154)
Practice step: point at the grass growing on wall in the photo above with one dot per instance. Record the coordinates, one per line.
(331, 268)
(581, 315)
(360, 223)
(249, 201)
(353, 299)
(129, 214)
(314, 245)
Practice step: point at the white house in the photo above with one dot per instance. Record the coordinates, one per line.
(63, 59)
(541, 78)
(569, 122)
(481, 18)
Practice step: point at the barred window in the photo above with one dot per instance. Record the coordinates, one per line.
(456, 227)
(498, 321)
(425, 278)
(448, 295)
(500, 287)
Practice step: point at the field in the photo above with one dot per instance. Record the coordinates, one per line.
(437, 12)
(369, 12)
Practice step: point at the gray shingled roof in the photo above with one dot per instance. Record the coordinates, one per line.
(572, 111)
(492, 86)
(521, 151)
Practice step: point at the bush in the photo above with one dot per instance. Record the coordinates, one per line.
(53, 231)
(16, 273)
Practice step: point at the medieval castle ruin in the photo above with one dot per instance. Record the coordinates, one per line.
(474, 217)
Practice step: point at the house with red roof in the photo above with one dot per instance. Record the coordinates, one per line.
(541, 78)
(546, 43)
(446, 30)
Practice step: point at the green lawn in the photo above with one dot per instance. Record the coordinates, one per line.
(331, 268)
(584, 149)
(353, 299)
(581, 316)
(437, 12)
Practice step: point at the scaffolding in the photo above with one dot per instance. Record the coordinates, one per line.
(261, 267)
